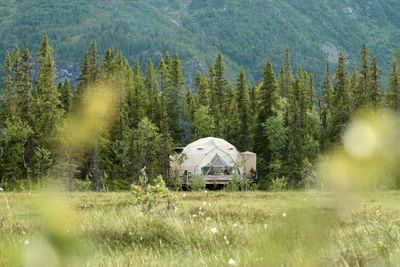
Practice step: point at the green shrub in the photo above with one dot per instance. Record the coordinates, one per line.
(175, 183)
(233, 185)
(117, 185)
(279, 184)
(83, 185)
(148, 195)
(197, 183)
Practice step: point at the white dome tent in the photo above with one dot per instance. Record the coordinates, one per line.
(216, 160)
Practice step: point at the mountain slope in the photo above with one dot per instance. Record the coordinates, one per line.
(247, 32)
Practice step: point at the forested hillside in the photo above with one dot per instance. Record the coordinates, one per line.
(245, 32)
(122, 120)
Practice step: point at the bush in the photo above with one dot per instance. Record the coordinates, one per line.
(233, 185)
(149, 195)
(117, 185)
(175, 183)
(278, 184)
(197, 183)
(83, 185)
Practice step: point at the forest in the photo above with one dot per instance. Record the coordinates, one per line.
(285, 118)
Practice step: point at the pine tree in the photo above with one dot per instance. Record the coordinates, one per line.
(66, 95)
(361, 95)
(286, 76)
(341, 109)
(173, 98)
(107, 67)
(217, 86)
(393, 94)
(151, 88)
(90, 71)
(24, 86)
(266, 110)
(200, 86)
(45, 104)
(375, 93)
(230, 123)
(203, 123)
(326, 107)
(244, 115)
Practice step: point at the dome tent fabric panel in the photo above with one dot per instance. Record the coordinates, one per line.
(202, 152)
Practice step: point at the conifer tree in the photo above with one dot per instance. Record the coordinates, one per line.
(151, 88)
(66, 95)
(173, 98)
(217, 86)
(268, 96)
(24, 86)
(326, 107)
(244, 139)
(230, 122)
(341, 109)
(200, 86)
(286, 76)
(45, 103)
(393, 94)
(361, 95)
(375, 92)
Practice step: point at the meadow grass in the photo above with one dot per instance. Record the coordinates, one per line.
(202, 229)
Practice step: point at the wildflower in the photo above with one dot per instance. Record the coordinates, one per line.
(26, 242)
(184, 195)
(231, 262)
(214, 230)
(284, 214)
(265, 226)
(234, 225)
(206, 191)
(226, 240)
(194, 215)
(1, 189)
(204, 203)
(208, 219)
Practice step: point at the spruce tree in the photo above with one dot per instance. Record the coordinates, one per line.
(341, 109)
(173, 98)
(66, 95)
(326, 107)
(217, 86)
(245, 118)
(286, 76)
(266, 109)
(393, 93)
(45, 104)
(375, 92)
(361, 95)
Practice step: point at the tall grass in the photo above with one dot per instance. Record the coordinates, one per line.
(206, 229)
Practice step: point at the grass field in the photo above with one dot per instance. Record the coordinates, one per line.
(201, 229)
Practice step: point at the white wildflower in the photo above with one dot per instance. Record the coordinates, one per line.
(231, 262)
(204, 203)
(184, 195)
(1, 189)
(208, 219)
(26, 242)
(194, 215)
(214, 230)
(234, 225)
(265, 226)
(284, 214)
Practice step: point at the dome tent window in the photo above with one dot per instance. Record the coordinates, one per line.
(214, 159)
